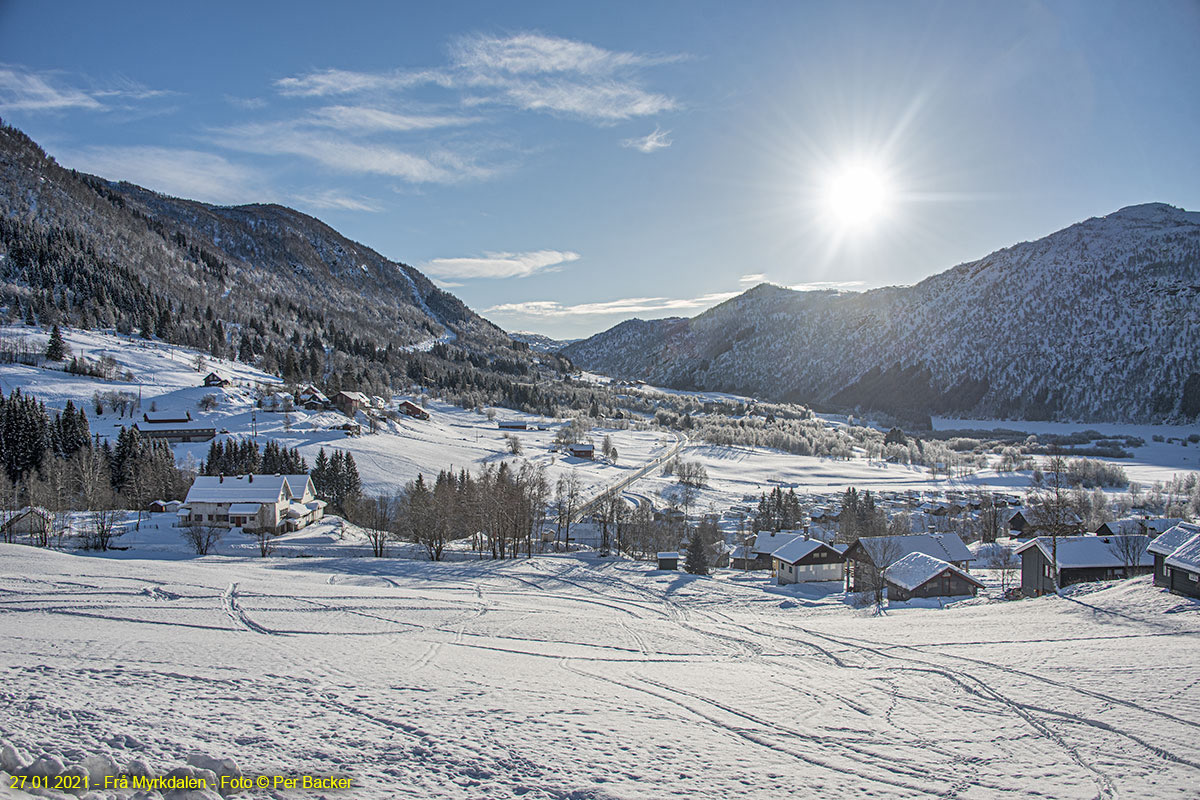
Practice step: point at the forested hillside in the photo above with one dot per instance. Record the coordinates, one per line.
(1098, 322)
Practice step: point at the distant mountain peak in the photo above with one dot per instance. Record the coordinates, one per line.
(1095, 322)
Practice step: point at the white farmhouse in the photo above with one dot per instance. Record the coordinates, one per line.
(274, 503)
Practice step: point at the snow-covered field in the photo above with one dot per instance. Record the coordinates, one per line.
(567, 677)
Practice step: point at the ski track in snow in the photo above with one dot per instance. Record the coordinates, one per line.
(573, 677)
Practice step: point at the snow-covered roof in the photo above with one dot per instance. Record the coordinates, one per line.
(740, 551)
(167, 416)
(1171, 540)
(916, 569)
(243, 489)
(357, 396)
(157, 427)
(946, 546)
(1080, 552)
(581, 446)
(767, 542)
(316, 505)
(1122, 527)
(670, 554)
(1186, 556)
(796, 549)
(244, 508)
(1162, 524)
(298, 485)
(297, 511)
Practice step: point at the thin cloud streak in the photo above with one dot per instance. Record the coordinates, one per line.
(629, 305)
(366, 119)
(501, 265)
(332, 199)
(23, 89)
(343, 155)
(657, 139)
(179, 172)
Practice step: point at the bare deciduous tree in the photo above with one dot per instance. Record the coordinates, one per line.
(202, 536)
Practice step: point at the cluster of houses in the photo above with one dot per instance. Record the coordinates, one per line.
(939, 564)
(916, 565)
(271, 503)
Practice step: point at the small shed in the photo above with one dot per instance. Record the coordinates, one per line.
(668, 560)
(163, 506)
(921, 575)
(512, 425)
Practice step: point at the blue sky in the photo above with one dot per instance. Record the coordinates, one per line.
(564, 166)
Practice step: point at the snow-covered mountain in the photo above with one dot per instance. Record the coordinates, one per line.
(1097, 322)
(540, 343)
(263, 283)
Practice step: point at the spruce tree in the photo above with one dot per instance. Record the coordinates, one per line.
(696, 562)
(56, 350)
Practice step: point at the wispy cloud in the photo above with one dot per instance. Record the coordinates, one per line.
(366, 119)
(625, 306)
(344, 155)
(23, 89)
(333, 199)
(655, 140)
(323, 83)
(501, 265)
(528, 53)
(528, 71)
(182, 173)
(753, 277)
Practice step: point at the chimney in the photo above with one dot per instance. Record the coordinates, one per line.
(221, 478)
(250, 479)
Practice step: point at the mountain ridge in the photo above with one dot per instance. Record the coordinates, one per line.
(989, 337)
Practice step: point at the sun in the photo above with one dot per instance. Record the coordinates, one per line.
(858, 195)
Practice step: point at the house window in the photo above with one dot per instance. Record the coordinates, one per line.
(1193, 577)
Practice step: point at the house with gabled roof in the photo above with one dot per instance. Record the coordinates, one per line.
(921, 575)
(871, 554)
(1078, 559)
(274, 503)
(804, 560)
(1183, 568)
(1166, 543)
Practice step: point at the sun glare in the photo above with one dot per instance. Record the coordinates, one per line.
(858, 196)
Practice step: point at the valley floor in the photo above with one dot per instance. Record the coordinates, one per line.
(569, 677)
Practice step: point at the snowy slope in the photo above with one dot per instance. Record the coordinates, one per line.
(566, 678)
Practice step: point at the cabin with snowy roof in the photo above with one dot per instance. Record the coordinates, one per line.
(213, 380)
(1176, 555)
(1078, 559)
(349, 403)
(921, 575)
(765, 545)
(1183, 568)
(804, 560)
(870, 555)
(189, 431)
(413, 410)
